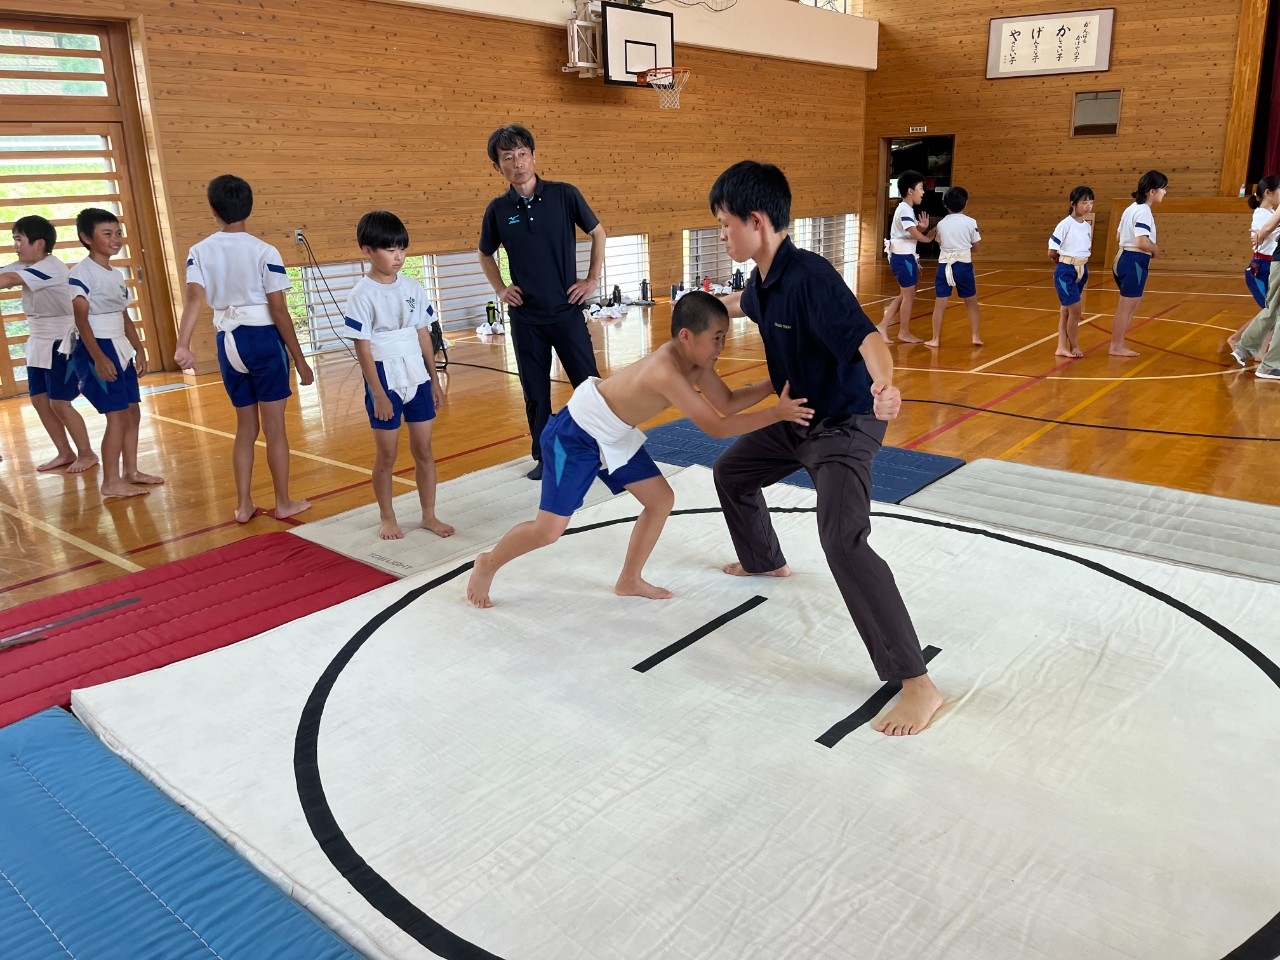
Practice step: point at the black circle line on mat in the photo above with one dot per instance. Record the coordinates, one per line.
(392, 904)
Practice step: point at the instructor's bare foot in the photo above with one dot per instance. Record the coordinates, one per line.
(918, 703)
(1122, 352)
(121, 489)
(438, 527)
(906, 336)
(289, 508)
(244, 515)
(390, 530)
(639, 587)
(61, 460)
(139, 477)
(735, 570)
(481, 578)
(86, 461)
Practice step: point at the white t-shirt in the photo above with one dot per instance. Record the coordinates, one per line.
(904, 218)
(374, 308)
(102, 286)
(46, 297)
(1136, 221)
(236, 269)
(1072, 238)
(957, 231)
(1260, 218)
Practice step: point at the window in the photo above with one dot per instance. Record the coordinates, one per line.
(1096, 114)
(52, 63)
(705, 256)
(626, 263)
(834, 237)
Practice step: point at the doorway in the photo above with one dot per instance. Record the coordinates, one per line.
(930, 156)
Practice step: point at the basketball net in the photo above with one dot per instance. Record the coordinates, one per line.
(668, 81)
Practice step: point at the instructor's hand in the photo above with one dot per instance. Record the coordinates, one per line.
(888, 401)
(582, 289)
(512, 295)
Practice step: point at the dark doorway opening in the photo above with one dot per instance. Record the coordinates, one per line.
(930, 156)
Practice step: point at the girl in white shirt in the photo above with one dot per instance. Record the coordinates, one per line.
(1137, 235)
(1069, 248)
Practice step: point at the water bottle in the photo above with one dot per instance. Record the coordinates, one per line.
(706, 284)
(616, 298)
(644, 289)
(491, 312)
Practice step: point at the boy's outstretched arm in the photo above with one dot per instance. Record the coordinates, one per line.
(681, 395)
(728, 401)
(191, 304)
(879, 361)
(10, 279)
(733, 303)
(284, 323)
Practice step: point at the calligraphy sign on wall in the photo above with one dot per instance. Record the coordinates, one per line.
(1075, 42)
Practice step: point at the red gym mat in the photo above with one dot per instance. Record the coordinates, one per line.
(159, 616)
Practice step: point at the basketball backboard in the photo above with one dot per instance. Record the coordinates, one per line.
(633, 40)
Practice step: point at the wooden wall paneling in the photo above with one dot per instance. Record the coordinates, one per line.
(1197, 234)
(1244, 95)
(1173, 60)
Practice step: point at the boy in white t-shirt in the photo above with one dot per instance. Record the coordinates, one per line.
(958, 237)
(388, 318)
(108, 357)
(46, 300)
(905, 232)
(244, 281)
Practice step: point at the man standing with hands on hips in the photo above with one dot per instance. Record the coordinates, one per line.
(536, 221)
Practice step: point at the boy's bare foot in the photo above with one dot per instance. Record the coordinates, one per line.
(933, 343)
(86, 461)
(905, 336)
(139, 477)
(1122, 352)
(122, 489)
(735, 570)
(641, 588)
(481, 577)
(289, 508)
(61, 460)
(390, 530)
(244, 516)
(438, 527)
(976, 342)
(884, 334)
(918, 703)
(1077, 352)
(1063, 352)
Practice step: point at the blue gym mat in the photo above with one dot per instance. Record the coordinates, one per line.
(96, 862)
(895, 474)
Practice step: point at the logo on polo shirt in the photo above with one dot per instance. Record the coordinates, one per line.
(514, 218)
(411, 302)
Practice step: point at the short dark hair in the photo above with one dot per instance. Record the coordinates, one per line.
(909, 180)
(750, 186)
(37, 228)
(87, 221)
(381, 230)
(511, 137)
(1151, 180)
(1080, 193)
(231, 198)
(695, 311)
(955, 199)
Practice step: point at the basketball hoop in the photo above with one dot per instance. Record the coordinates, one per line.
(668, 81)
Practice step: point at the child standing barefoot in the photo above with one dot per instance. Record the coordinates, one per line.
(1137, 235)
(1069, 247)
(958, 237)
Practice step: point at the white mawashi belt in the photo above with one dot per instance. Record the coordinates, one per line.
(618, 441)
(400, 354)
(107, 326)
(228, 319)
(947, 257)
(45, 332)
(901, 248)
(1078, 262)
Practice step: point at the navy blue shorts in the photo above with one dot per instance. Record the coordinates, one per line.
(106, 397)
(418, 410)
(906, 268)
(263, 353)
(58, 381)
(965, 283)
(1068, 288)
(571, 461)
(1256, 276)
(1131, 273)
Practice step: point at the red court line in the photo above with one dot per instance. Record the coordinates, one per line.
(1013, 391)
(51, 576)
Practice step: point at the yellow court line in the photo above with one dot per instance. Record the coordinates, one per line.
(1031, 376)
(292, 452)
(1052, 336)
(75, 541)
(1087, 401)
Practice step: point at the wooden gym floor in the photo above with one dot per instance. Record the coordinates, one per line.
(1180, 415)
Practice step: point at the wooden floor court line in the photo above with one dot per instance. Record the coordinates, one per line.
(90, 548)
(1042, 340)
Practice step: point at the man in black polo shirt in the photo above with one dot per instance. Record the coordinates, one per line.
(535, 221)
(816, 337)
